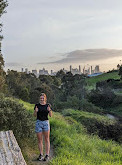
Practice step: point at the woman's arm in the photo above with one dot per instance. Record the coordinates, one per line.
(35, 111)
(50, 113)
(49, 110)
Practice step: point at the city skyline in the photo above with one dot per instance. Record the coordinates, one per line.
(80, 70)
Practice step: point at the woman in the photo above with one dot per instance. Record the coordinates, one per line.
(42, 127)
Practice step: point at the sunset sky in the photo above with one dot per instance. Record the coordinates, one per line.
(56, 33)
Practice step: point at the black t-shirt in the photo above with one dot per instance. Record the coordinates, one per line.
(42, 113)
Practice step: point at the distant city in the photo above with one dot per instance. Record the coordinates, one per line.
(88, 70)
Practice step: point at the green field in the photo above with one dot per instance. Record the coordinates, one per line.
(73, 146)
(91, 82)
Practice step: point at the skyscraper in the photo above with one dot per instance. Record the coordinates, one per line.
(97, 70)
(79, 69)
(70, 68)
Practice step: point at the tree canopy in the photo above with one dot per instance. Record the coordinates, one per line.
(3, 5)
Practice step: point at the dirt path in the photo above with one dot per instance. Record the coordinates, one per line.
(33, 159)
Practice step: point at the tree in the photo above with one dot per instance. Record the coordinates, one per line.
(3, 5)
(60, 74)
(120, 72)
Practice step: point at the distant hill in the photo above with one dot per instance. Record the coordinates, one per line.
(91, 82)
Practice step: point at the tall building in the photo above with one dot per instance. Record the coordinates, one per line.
(84, 70)
(70, 68)
(91, 69)
(35, 72)
(26, 70)
(51, 72)
(22, 69)
(97, 70)
(79, 69)
(43, 72)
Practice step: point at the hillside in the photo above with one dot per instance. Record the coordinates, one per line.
(91, 82)
(72, 145)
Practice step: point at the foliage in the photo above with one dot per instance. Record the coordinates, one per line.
(112, 83)
(72, 145)
(105, 76)
(15, 117)
(73, 85)
(103, 98)
(120, 72)
(3, 5)
(97, 124)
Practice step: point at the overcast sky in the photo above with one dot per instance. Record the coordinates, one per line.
(62, 32)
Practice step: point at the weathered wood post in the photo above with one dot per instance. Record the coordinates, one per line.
(10, 152)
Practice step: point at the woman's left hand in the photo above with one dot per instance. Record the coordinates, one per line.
(48, 108)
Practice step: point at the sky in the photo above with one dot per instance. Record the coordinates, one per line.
(55, 34)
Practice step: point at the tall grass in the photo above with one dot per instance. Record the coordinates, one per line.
(79, 115)
(73, 146)
(28, 106)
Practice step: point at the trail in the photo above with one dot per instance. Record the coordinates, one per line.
(33, 158)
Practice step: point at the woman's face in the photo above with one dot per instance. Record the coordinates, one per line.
(42, 99)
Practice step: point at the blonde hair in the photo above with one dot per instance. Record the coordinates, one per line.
(45, 97)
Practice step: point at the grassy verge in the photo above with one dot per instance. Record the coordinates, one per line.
(72, 145)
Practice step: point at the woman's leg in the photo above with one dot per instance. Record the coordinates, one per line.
(40, 142)
(47, 141)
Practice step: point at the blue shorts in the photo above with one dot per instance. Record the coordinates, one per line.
(42, 126)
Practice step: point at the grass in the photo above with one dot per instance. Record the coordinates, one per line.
(76, 114)
(28, 106)
(91, 82)
(73, 146)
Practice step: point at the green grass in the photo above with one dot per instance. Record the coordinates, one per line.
(28, 106)
(78, 115)
(73, 146)
(91, 82)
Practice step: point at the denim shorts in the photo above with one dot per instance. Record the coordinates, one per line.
(42, 126)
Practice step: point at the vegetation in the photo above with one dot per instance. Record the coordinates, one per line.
(3, 5)
(71, 143)
(15, 117)
(120, 72)
(100, 125)
(73, 146)
(91, 82)
(69, 133)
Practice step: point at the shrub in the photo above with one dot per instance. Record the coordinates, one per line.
(15, 117)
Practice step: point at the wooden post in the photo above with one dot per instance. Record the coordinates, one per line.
(10, 152)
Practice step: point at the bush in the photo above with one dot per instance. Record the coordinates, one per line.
(102, 98)
(89, 107)
(97, 124)
(15, 117)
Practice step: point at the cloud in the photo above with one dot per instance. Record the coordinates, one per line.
(88, 55)
(11, 64)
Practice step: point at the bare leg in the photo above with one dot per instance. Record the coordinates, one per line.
(40, 142)
(47, 141)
